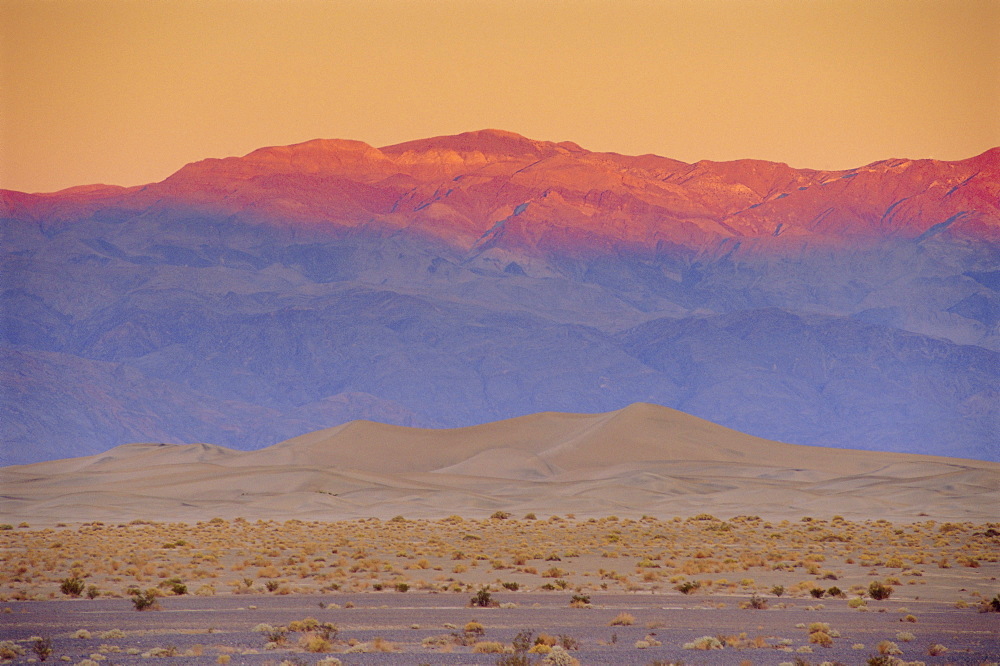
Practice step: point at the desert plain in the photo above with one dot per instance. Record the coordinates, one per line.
(642, 536)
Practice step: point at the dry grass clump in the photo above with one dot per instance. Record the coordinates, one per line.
(622, 620)
(489, 647)
(705, 643)
(888, 648)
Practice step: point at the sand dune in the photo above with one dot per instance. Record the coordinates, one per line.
(643, 459)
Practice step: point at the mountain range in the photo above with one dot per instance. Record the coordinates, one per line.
(464, 279)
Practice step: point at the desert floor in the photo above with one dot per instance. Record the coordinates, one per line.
(400, 591)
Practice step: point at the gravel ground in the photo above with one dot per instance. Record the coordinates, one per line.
(200, 629)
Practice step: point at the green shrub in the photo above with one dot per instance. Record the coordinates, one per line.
(72, 587)
(42, 647)
(145, 600)
(879, 591)
(483, 599)
(175, 585)
(687, 587)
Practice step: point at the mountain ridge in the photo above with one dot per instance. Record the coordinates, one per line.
(458, 280)
(645, 195)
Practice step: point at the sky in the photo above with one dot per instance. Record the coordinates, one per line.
(126, 92)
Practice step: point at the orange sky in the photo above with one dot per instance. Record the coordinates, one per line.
(127, 91)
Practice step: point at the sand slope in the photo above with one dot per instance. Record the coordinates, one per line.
(643, 459)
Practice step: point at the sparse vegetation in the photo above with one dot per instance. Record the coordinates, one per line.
(581, 558)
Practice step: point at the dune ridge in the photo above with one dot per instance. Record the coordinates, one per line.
(641, 460)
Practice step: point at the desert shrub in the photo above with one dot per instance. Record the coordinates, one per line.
(277, 635)
(835, 592)
(559, 657)
(513, 587)
(42, 647)
(315, 643)
(483, 599)
(888, 648)
(81, 634)
(905, 636)
(817, 592)
(936, 650)
(10, 650)
(488, 647)
(523, 641)
(687, 587)
(778, 590)
(758, 602)
(500, 515)
(521, 646)
(272, 585)
(111, 634)
(175, 585)
(145, 601)
(879, 591)
(991, 606)
(704, 643)
(821, 638)
(72, 587)
(622, 620)
(402, 587)
(307, 624)
(6, 526)
(580, 600)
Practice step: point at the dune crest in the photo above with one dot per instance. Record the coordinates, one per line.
(643, 459)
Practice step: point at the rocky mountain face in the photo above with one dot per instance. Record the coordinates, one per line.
(464, 279)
